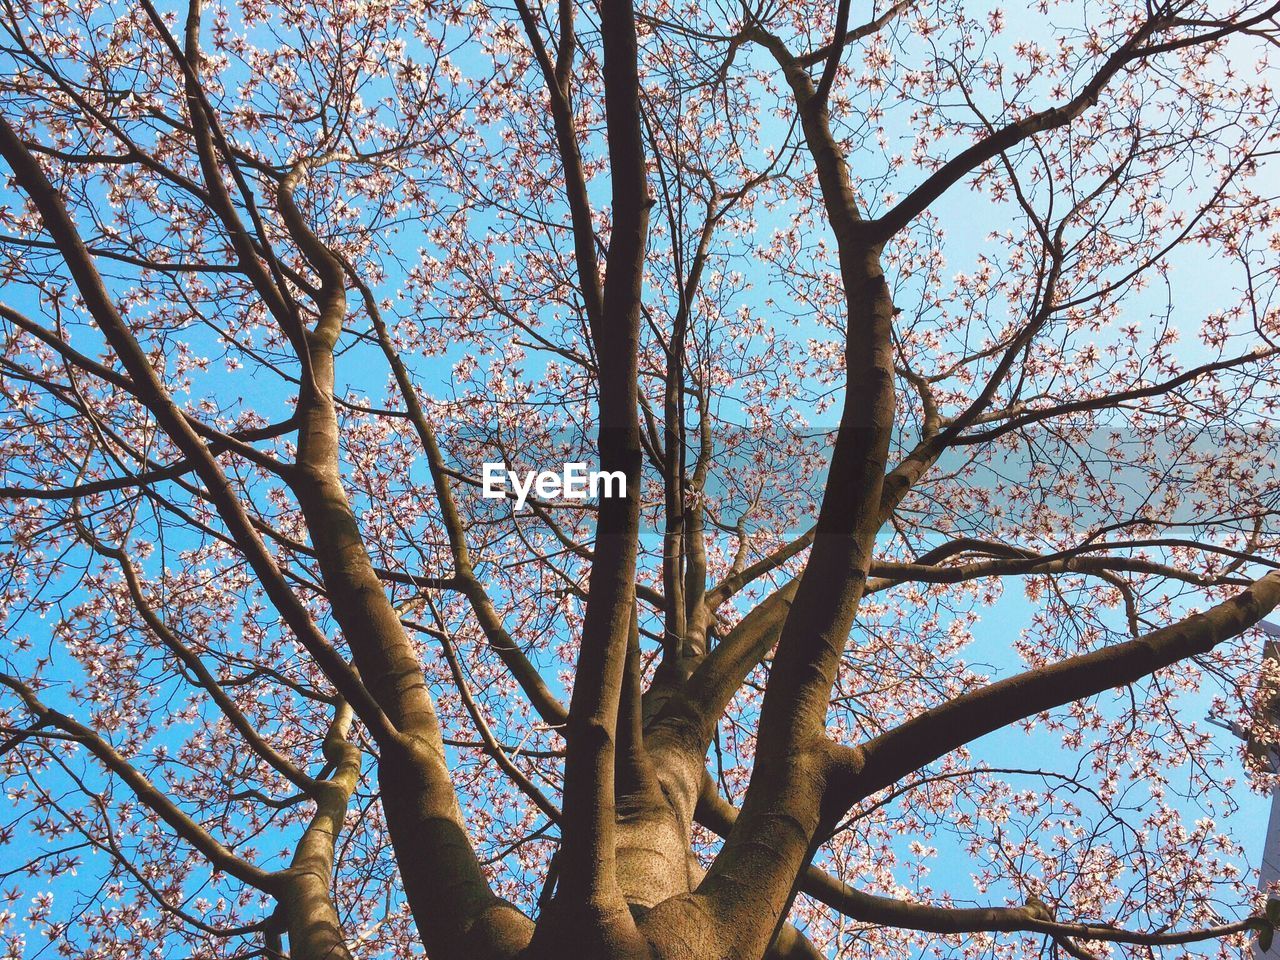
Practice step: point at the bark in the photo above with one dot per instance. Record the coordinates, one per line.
(879, 762)
(146, 385)
(748, 890)
(306, 900)
(457, 913)
(628, 886)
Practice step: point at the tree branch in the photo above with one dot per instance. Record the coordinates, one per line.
(864, 769)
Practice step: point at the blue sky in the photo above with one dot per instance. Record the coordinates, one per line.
(968, 218)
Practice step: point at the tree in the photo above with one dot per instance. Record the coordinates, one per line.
(889, 318)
